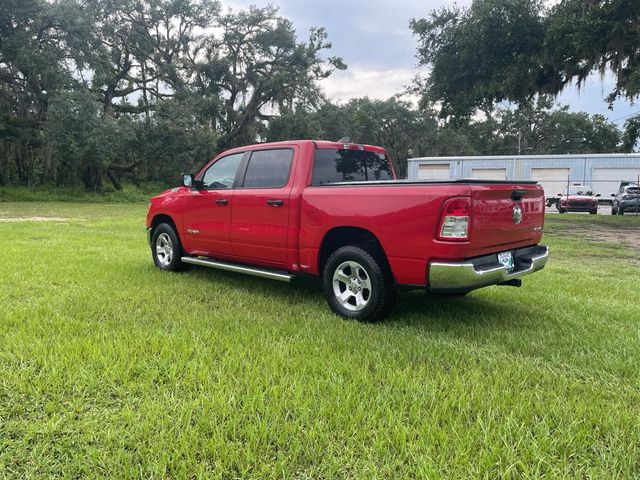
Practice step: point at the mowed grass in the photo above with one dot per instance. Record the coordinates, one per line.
(111, 368)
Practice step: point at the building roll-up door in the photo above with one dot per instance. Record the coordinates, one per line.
(489, 173)
(553, 180)
(607, 180)
(434, 171)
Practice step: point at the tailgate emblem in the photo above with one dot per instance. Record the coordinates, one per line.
(517, 214)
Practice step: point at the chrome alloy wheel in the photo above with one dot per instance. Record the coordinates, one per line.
(352, 286)
(164, 249)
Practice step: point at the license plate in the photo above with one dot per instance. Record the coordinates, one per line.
(506, 259)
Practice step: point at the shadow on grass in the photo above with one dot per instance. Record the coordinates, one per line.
(418, 309)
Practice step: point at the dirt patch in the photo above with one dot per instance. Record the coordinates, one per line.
(34, 219)
(628, 236)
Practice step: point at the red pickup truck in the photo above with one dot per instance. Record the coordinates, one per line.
(335, 210)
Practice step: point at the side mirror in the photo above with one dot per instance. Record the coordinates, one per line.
(598, 195)
(613, 194)
(186, 180)
(559, 194)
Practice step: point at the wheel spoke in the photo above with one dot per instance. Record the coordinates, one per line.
(345, 296)
(341, 277)
(360, 301)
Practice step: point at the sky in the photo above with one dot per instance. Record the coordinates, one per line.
(375, 41)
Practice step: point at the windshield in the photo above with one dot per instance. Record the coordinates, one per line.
(633, 190)
(579, 190)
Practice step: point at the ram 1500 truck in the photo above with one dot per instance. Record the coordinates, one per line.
(335, 210)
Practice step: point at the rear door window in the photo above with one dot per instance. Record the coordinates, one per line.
(268, 168)
(332, 166)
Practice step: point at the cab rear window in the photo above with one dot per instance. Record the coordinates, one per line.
(332, 166)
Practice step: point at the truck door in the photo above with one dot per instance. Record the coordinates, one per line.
(207, 211)
(260, 212)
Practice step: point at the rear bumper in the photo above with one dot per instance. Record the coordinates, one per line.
(580, 208)
(484, 271)
(630, 205)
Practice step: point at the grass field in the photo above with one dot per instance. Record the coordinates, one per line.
(111, 368)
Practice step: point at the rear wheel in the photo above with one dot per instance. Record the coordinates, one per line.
(166, 249)
(358, 285)
(593, 212)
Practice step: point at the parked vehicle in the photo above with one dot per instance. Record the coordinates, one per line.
(578, 198)
(627, 199)
(335, 210)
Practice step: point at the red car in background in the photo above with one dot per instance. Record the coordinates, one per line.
(578, 198)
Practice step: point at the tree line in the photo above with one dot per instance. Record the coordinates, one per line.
(102, 92)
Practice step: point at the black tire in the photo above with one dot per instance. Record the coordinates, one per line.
(620, 211)
(381, 295)
(593, 212)
(164, 234)
(561, 210)
(614, 211)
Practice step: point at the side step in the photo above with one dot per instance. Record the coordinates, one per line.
(233, 267)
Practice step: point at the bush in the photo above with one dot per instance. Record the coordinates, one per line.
(129, 193)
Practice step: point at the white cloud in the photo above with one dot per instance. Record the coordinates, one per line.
(362, 81)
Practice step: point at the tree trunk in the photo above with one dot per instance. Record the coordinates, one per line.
(114, 181)
(92, 179)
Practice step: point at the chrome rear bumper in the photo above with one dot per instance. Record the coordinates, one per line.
(485, 271)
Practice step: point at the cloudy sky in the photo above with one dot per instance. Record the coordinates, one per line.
(374, 39)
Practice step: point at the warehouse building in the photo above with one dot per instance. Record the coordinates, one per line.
(603, 172)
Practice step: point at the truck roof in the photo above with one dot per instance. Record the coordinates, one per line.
(316, 143)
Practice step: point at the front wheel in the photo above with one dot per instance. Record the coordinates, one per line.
(166, 249)
(358, 285)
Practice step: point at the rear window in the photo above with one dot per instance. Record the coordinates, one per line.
(331, 166)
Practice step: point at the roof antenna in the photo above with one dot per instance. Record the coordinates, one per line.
(345, 140)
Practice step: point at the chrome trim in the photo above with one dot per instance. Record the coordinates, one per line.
(445, 276)
(231, 267)
(148, 230)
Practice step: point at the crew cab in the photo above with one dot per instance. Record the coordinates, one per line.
(335, 210)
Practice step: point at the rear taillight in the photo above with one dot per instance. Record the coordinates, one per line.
(455, 221)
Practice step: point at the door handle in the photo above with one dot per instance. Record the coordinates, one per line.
(275, 203)
(222, 201)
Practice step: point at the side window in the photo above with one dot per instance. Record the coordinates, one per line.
(268, 168)
(222, 173)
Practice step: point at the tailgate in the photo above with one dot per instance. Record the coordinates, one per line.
(505, 216)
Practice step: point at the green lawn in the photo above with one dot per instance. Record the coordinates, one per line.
(111, 368)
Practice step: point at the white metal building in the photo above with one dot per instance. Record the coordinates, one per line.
(603, 172)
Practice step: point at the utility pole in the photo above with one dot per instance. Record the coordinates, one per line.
(519, 142)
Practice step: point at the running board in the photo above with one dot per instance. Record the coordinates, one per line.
(232, 267)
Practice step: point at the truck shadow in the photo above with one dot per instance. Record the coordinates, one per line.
(416, 309)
